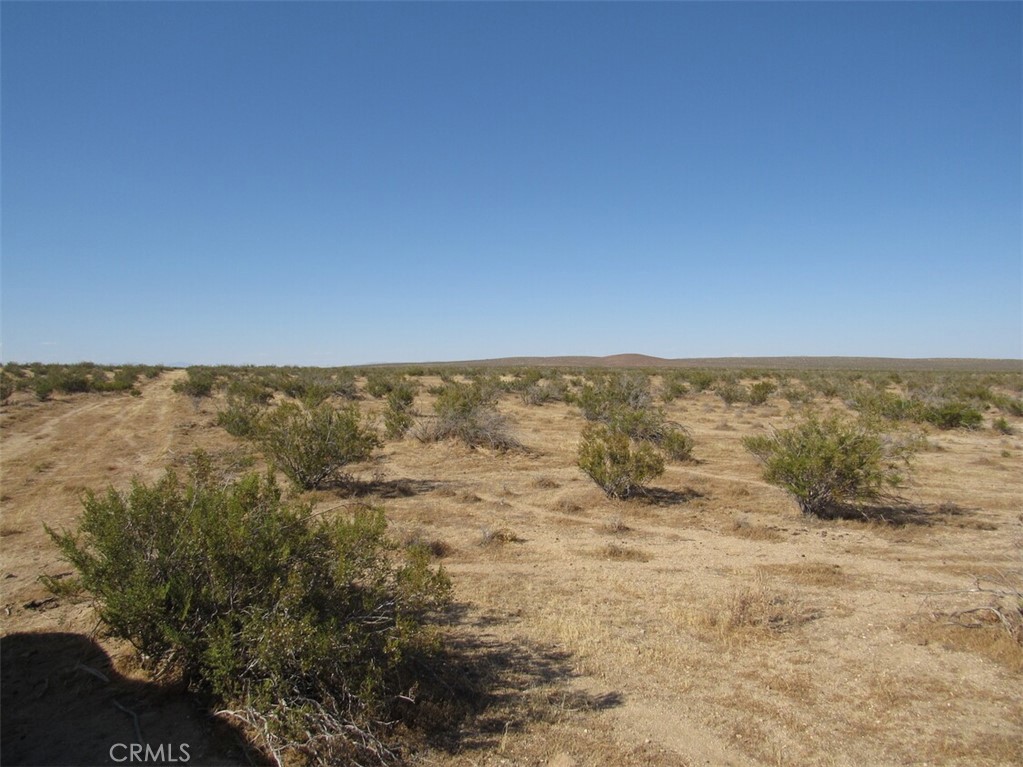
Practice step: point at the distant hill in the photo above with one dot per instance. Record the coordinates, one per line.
(774, 363)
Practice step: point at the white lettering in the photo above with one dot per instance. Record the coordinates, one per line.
(154, 756)
(114, 758)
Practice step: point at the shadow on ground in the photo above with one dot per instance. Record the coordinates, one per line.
(661, 496)
(899, 514)
(63, 703)
(479, 688)
(393, 488)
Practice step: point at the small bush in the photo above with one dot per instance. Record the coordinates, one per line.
(380, 383)
(555, 390)
(677, 443)
(873, 404)
(731, 393)
(612, 394)
(829, 462)
(468, 412)
(700, 380)
(43, 388)
(1010, 405)
(399, 417)
(760, 391)
(303, 626)
(199, 383)
(954, 415)
(675, 386)
(312, 446)
(1002, 426)
(241, 417)
(616, 463)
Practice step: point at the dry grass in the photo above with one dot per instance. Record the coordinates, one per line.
(751, 610)
(498, 537)
(743, 528)
(616, 525)
(618, 553)
(819, 574)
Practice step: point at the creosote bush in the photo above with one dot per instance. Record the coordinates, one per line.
(825, 463)
(954, 415)
(399, 417)
(610, 394)
(618, 464)
(468, 412)
(302, 626)
(199, 383)
(313, 445)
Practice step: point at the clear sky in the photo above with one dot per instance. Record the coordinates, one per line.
(340, 183)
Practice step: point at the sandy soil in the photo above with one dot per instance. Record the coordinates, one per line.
(613, 633)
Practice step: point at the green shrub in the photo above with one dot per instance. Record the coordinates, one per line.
(199, 383)
(731, 393)
(796, 395)
(760, 391)
(954, 415)
(675, 386)
(1002, 426)
(612, 393)
(312, 446)
(468, 412)
(241, 416)
(43, 388)
(616, 463)
(250, 391)
(549, 390)
(7, 386)
(1010, 405)
(72, 381)
(700, 380)
(305, 627)
(399, 417)
(379, 383)
(825, 463)
(677, 443)
(883, 404)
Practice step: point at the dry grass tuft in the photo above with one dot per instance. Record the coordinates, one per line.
(616, 525)
(742, 528)
(566, 506)
(618, 553)
(437, 548)
(986, 638)
(811, 574)
(491, 537)
(751, 611)
(545, 483)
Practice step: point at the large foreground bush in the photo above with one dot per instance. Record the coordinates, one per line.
(302, 626)
(829, 462)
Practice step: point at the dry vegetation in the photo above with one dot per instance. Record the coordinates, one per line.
(703, 622)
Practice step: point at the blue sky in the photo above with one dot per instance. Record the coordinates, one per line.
(341, 183)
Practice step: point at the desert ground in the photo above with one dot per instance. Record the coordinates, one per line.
(706, 623)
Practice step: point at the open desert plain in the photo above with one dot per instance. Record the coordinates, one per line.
(701, 621)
